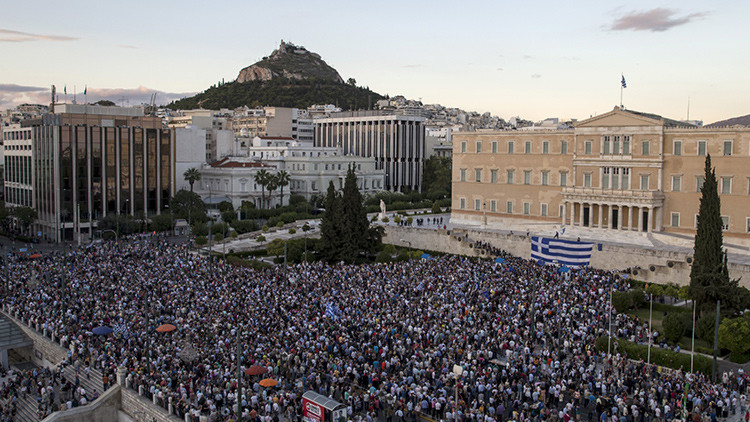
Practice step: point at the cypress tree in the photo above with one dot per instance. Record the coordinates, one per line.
(331, 241)
(354, 219)
(709, 276)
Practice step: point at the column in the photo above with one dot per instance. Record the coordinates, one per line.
(601, 214)
(640, 218)
(564, 212)
(580, 217)
(630, 218)
(650, 218)
(4, 358)
(609, 216)
(572, 213)
(619, 218)
(658, 223)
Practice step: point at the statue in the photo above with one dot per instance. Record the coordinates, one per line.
(381, 216)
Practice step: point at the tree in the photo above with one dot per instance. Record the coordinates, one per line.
(192, 175)
(273, 184)
(26, 216)
(436, 177)
(282, 179)
(734, 334)
(674, 326)
(188, 205)
(331, 241)
(261, 178)
(709, 276)
(161, 222)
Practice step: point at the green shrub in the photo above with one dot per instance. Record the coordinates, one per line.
(436, 208)
(260, 239)
(280, 224)
(390, 249)
(292, 230)
(638, 297)
(372, 208)
(265, 228)
(386, 219)
(674, 327)
(705, 326)
(245, 226)
(201, 240)
(622, 301)
(397, 219)
(661, 357)
(218, 237)
(233, 234)
(403, 255)
(297, 199)
(383, 256)
(200, 229)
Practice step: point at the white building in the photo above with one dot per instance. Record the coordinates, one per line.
(233, 179)
(17, 159)
(216, 125)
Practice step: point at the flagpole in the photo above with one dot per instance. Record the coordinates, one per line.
(609, 340)
(620, 96)
(692, 352)
(650, 312)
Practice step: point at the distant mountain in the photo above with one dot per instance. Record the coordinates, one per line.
(290, 77)
(742, 121)
(290, 62)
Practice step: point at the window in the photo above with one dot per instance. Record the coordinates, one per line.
(563, 147)
(477, 205)
(545, 178)
(615, 145)
(494, 147)
(493, 206)
(510, 177)
(726, 185)
(677, 148)
(509, 207)
(724, 222)
(675, 219)
(545, 147)
(699, 180)
(493, 176)
(527, 147)
(463, 203)
(606, 144)
(526, 208)
(478, 175)
(543, 210)
(615, 178)
(463, 175)
(605, 178)
(313, 186)
(702, 148)
(644, 182)
(727, 147)
(527, 177)
(676, 183)
(463, 147)
(479, 147)
(587, 180)
(646, 148)
(626, 145)
(587, 147)
(511, 147)
(563, 178)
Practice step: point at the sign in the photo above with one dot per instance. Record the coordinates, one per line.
(311, 411)
(39, 234)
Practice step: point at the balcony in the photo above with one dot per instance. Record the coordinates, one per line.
(649, 198)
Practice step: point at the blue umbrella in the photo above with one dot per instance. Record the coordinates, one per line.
(102, 331)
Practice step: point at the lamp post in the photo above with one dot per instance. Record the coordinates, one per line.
(210, 226)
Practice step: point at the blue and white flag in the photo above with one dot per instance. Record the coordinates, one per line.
(331, 312)
(624, 85)
(121, 330)
(558, 251)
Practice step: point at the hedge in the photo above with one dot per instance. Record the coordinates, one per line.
(659, 356)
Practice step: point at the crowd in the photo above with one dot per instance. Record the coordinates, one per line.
(381, 338)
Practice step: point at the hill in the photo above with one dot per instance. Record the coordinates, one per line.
(290, 62)
(741, 120)
(290, 77)
(280, 92)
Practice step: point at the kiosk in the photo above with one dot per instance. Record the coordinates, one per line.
(319, 408)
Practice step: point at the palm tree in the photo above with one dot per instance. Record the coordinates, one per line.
(273, 184)
(192, 175)
(262, 178)
(282, 179)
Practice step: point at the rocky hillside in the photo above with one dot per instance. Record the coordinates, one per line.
(290, 62)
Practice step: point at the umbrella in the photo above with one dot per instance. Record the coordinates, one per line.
(36, 255)
(102, 331)
(256, 370)
(165, 328)
(268, 382)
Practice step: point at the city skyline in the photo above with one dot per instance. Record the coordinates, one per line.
(532, 60)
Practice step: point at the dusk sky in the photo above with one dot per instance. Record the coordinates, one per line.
(533, 59)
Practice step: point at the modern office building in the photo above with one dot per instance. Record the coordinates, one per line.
(272, 121)
(216, 127)
(89, 161)
(396, 142)
(623, 170)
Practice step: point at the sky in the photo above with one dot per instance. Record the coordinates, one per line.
(533, 59)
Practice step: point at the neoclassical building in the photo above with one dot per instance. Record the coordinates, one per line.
(623, 170)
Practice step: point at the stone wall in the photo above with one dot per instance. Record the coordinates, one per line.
(141, 409)
(656, 266)
(44, 353)
(103, 409)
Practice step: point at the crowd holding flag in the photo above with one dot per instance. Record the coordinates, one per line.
(545, 250)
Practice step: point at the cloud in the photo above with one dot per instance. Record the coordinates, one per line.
(12, 95)
(127, 46)
(536, 76)
(7, 35)
(412, 66)
(499, 69)
(654, 20)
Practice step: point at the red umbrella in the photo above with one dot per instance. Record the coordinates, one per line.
(36, 255)
(256, 370)
(165, 328)
(268, 382)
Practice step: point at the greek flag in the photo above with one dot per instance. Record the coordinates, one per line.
(624, 85)
(331, 312)
(558, 251)
(121, 330)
